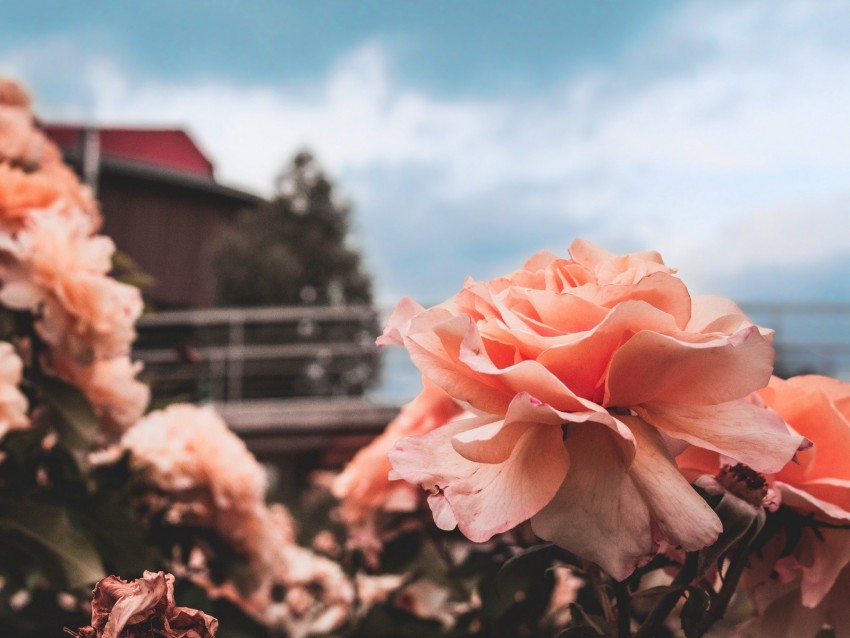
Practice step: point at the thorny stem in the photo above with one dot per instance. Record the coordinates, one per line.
(451, 568)
(733, 574)
(594, 575)
(659, 613)
(624, 610)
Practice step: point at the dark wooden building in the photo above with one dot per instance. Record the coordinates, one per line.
(289, 380)
(160, 200)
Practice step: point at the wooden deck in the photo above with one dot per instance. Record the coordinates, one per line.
(282, 426)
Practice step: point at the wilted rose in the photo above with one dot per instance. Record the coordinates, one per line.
(142, 608)
(589, 374)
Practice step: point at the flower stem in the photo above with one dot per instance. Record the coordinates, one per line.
(660, 612)
(438, 543)
(594, 575)
(624, 609)
(720, 603)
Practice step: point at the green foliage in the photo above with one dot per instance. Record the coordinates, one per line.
(292, 250)
(519, 572)
(52, 531)
(126, 270)
(76, 422)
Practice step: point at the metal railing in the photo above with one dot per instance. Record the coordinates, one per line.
(236, 354)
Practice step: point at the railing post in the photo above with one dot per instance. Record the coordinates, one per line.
(235, 357)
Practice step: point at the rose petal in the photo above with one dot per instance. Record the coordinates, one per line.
(582, 361)
(435, 352)
(830, 554)
(485, 498)
(683, 517)
(716, 314)
(660, 290)
(598, 512)
(656, 367)
(454, 357)
(745, 432)
(806, 404)
(803, 498)
(494, 442)
(396, 324)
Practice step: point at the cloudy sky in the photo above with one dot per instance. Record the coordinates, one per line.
(471, 134)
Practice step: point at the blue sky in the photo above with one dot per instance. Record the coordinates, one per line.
(470, 134)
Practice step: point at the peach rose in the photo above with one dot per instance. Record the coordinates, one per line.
(589, 374)
(74, 194)
(20, 142)
(13, 404)
(32, 173)
(57, 268)
(21, 193)
(364, 487)
(119, 399)
(210, 478)
(796, 594)
(184, 447)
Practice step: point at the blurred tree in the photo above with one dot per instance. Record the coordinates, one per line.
(292, 250)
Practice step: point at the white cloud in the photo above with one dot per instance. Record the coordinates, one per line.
(720, 140)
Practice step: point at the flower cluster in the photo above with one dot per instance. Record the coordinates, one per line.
(210, 477)
(199, 494)
(56, 267)
(200, 474)
(589, 400)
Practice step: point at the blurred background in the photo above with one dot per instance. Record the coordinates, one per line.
(420, 142)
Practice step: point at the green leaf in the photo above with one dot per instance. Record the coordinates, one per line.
(740, 519)
(518, 572)
(52, 529)
(694, 611)
(79, 425)
(586, 621)
(121, 537)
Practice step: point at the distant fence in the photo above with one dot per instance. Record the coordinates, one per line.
(236, 354)
(286, 379)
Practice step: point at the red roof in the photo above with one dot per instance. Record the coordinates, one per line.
(165, 148)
